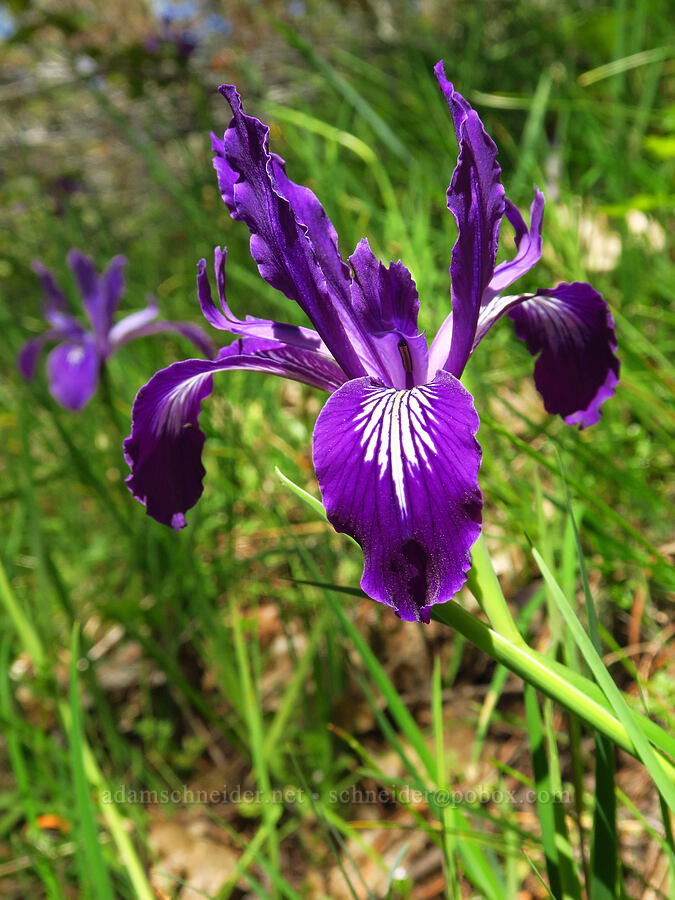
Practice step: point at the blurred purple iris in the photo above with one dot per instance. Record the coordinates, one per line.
(395, 447)
(73, 366)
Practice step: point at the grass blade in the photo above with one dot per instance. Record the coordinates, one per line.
(623, 712)
(604, 856)
(97, 873)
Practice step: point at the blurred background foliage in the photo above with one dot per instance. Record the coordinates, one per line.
(202, 661)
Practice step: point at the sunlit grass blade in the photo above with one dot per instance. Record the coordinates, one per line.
(95, 872)
(252, 711)
(588, 495)
(604, 855)
(343, 87)
(442, 782)
(625, 64)
(292, 692)
(22, 624)
(397, 707)
(20, 769)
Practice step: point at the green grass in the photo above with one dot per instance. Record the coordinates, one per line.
(240, 652)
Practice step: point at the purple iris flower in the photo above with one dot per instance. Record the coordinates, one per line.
(74, 365)
(395, 447)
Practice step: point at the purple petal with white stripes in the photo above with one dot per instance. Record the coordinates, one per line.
(398, 471)
(476, 200)
(165, 445)
(572, 330)
(72, 371)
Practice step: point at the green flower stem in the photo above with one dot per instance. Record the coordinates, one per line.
(538, 671)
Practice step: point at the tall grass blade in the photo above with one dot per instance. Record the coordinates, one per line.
(545, 809)
(97, 874)
(623, 712)
(604, 850)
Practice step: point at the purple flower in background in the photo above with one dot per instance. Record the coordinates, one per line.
(73, 366)
(395, 447)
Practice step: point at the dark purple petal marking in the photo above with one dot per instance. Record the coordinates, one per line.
(225, 320)
(398, 471)
(281, 244)
(387, 304)
(165, 445)
(572, 330)
(528, 246)
(476, 200)
(72, 371)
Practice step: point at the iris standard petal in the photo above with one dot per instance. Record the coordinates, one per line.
(476, 200)
(165, 444)
(571, 328)
(387, 303)
(88, 284)
(528, 246)
(112, 287)
(55, 301)
(280, 244)
(398, 471)
(100, 294)
(312, 218)
(72, 371)
(225, 320)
